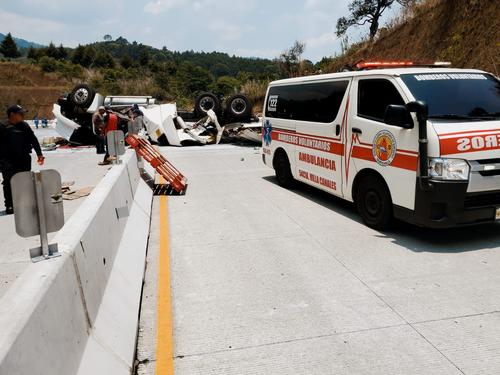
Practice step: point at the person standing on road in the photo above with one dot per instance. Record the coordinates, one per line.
(17, 140)
(36, 121)
(111, 121)
(106, 121)
(99, 130)
(135, 122)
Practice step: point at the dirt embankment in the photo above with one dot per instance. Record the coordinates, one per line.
(28, 86)
(464, 32)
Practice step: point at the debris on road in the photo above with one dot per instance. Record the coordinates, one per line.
(70, 195)
(210, 123)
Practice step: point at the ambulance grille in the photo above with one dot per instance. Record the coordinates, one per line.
(492, 162)
(489, 161)
(494, 172)
(483, 199)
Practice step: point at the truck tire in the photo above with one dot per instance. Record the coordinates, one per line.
(162, 140)
(205, 102)
(82, 96)
(282, 170)
(374, 203)
(83, 136)
(238, 107)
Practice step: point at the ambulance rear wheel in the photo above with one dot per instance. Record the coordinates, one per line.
(282, 170)
(374, 202)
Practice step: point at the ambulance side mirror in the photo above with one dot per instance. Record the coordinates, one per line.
(398, 115)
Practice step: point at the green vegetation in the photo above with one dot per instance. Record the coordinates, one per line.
(122, 68)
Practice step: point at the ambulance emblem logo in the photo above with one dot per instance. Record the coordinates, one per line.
(384, 148)
(266, 134)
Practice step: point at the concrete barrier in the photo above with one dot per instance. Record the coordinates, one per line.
(78, 314)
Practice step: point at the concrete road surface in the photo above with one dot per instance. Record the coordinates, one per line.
(270, 281)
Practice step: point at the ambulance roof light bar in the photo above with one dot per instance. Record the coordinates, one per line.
(365, 65)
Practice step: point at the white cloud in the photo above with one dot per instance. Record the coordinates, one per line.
(225, 31)
(160, 6)
(322, 40)
(314, 4)
(229, 7)
(31, 28)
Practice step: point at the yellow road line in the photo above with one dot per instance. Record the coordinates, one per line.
(164, 324)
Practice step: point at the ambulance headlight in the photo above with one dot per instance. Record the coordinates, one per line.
(449, 169)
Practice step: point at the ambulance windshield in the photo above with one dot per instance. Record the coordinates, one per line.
(460, 96)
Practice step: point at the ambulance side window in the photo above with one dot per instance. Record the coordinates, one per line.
(312, 102)
(374, 95)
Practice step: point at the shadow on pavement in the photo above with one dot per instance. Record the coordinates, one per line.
(417, 239)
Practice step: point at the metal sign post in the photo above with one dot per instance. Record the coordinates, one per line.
(116, 144)
(38, 209)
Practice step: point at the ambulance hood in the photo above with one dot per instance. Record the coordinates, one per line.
(471, 140)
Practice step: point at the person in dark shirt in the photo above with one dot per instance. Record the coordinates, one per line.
(99, 126)
(16, 142)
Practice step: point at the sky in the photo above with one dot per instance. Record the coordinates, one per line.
(252, 28)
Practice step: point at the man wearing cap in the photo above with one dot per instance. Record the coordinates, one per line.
(16, 142)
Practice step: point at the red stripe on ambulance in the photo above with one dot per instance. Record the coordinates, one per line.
(402, 161)
(469, 143)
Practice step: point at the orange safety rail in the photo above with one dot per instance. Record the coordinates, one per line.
(143, 148)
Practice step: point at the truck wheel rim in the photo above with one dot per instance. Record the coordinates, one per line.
(206, 104)
(81, 95)
(238, 106)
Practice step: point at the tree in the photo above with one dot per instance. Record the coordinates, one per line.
(306, 67)
(219, 70)
(78, 55)
(144, 57)
(48, 64)
(32, 53)
(226, 85)
(192, 78)
(126, 61)
(107, 38)
(51, 51)
(88, 56)
(8, 47)
(363, 12)
(289, 60)
(162, 79)
(62, 54)
(104, 60)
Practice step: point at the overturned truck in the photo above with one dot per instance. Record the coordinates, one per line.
(213, 120)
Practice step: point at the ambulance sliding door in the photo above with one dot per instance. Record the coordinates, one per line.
(318, 109)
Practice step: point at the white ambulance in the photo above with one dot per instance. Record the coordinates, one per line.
(419, 143)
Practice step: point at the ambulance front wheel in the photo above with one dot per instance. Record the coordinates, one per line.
(282, 169)
(374, 202)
